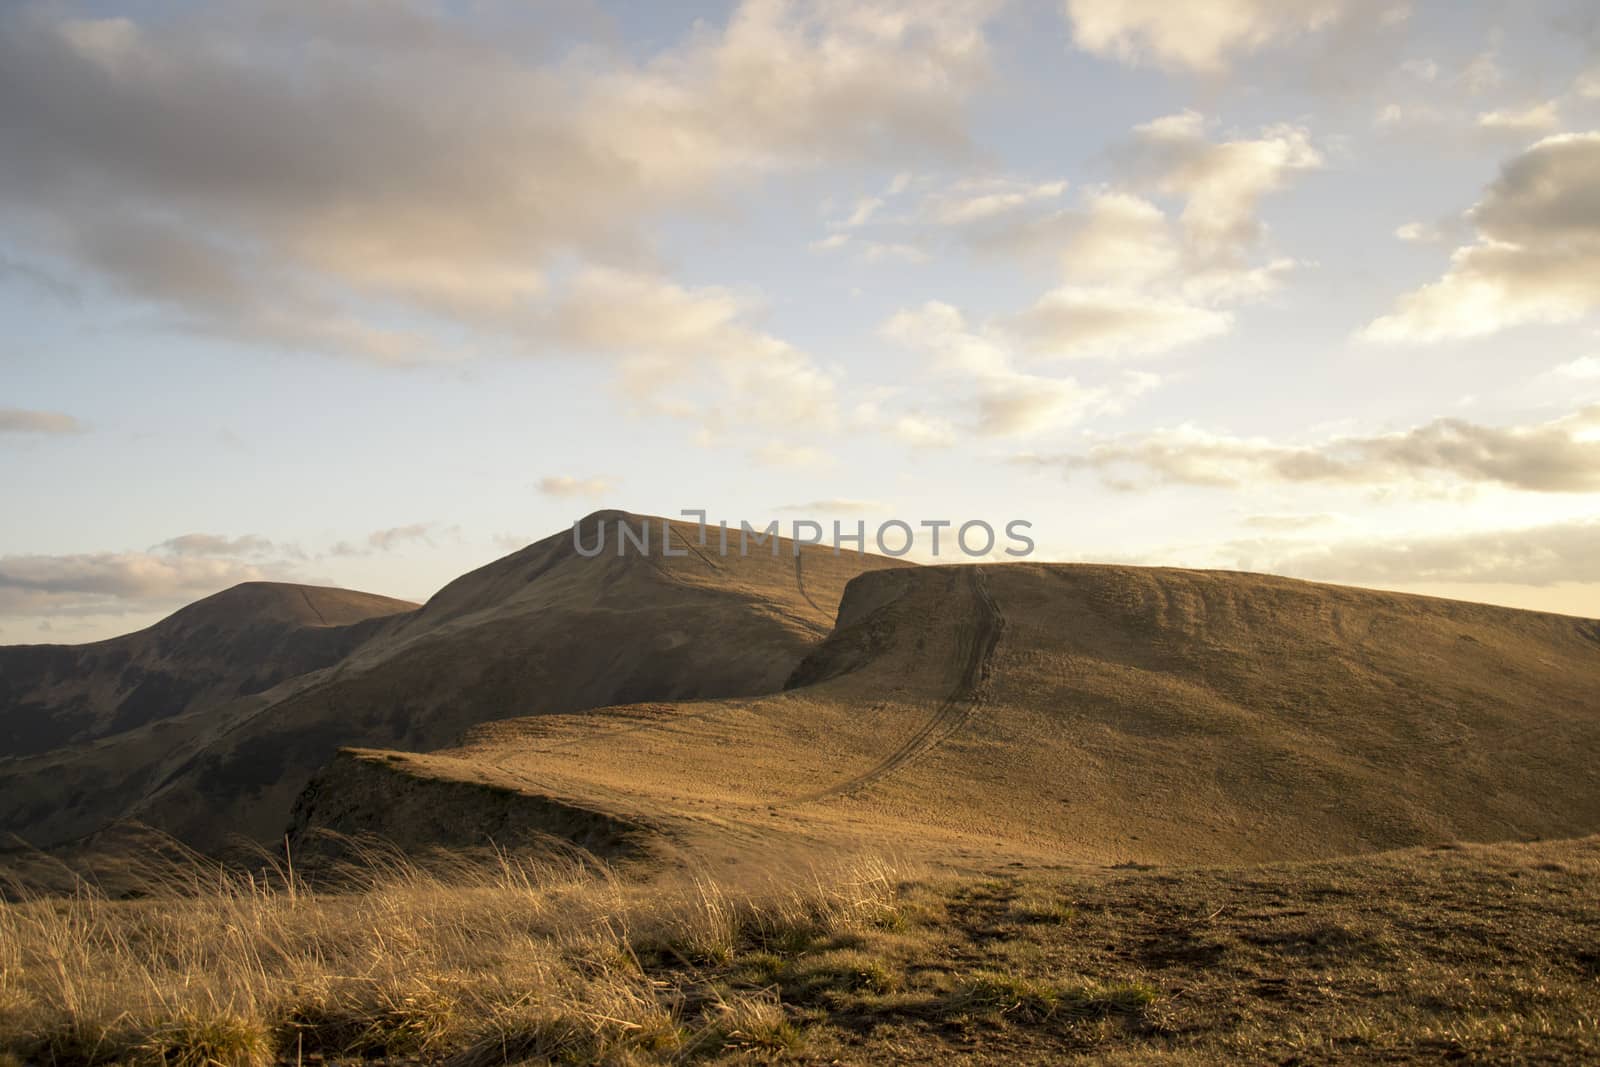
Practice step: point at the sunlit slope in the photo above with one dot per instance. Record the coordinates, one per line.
(545, 630)
(1097, 713)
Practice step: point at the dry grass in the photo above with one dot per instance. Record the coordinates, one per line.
(472, 965)
(1484, 953)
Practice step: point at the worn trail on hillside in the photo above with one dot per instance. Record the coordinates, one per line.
(978, 635)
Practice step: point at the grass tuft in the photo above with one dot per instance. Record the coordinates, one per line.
(219, 1040)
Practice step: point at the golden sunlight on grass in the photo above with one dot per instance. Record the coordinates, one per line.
(1477, 951)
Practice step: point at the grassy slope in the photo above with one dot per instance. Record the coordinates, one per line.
(242, 640)
(1096, 713)
(1479, 952)
(540, 631)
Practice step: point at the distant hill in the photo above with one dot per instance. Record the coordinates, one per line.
(241, 641)
(1056, 713)
(542, 631)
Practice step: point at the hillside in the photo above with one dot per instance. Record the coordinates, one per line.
(240, 641)
(1054, 712)
(542, 631)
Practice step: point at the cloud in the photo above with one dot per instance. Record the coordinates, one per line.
(688, 353)
(1005, 401)
(388, 540)
(1583, 369)
(1525, 121)
(790, 454)
(1221, 182)
(16, 420)
(1536, 257)
(1074, 321)
(240, 167)
(912, 216)
(203, 544)
(29, 274)
(1139, 278)
(921, 430)
(1140, 282)
(1199, 35)
(109, 583)
(1540, 555)
(977, 200)
(1560, 456)
(566, 486)
(1136, 280)
(1288, 522)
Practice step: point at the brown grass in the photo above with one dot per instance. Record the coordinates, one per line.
(1484, 953)
(474, 965)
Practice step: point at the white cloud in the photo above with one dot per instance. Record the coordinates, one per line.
(568, 486)
(864, 210)
(1102, 322)
(687, 353)
(1197, 35)
(792, 454)
(1123, 239)
(1004, 401)
(1525, 121)
(921, 431)
(1221, 183)
(981, 199)
(1583, 369)
(1536, 257)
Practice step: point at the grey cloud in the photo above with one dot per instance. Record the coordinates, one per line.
(1551, 192)
(294, 136)
(36, 277)
(120, 582)
(203, 544)
(16, 420)
(1536, 257)
(394, 537)
(1561, 552)
(1561, 456)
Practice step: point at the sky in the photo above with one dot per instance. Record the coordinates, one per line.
(371, 292)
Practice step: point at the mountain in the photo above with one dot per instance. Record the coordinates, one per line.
(241, 641)
(546, 630)
(1057, 713)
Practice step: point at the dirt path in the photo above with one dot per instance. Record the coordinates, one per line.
(978, 634)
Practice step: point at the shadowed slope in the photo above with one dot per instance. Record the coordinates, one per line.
(240, 641)
(1106, 713)
(545, 630)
